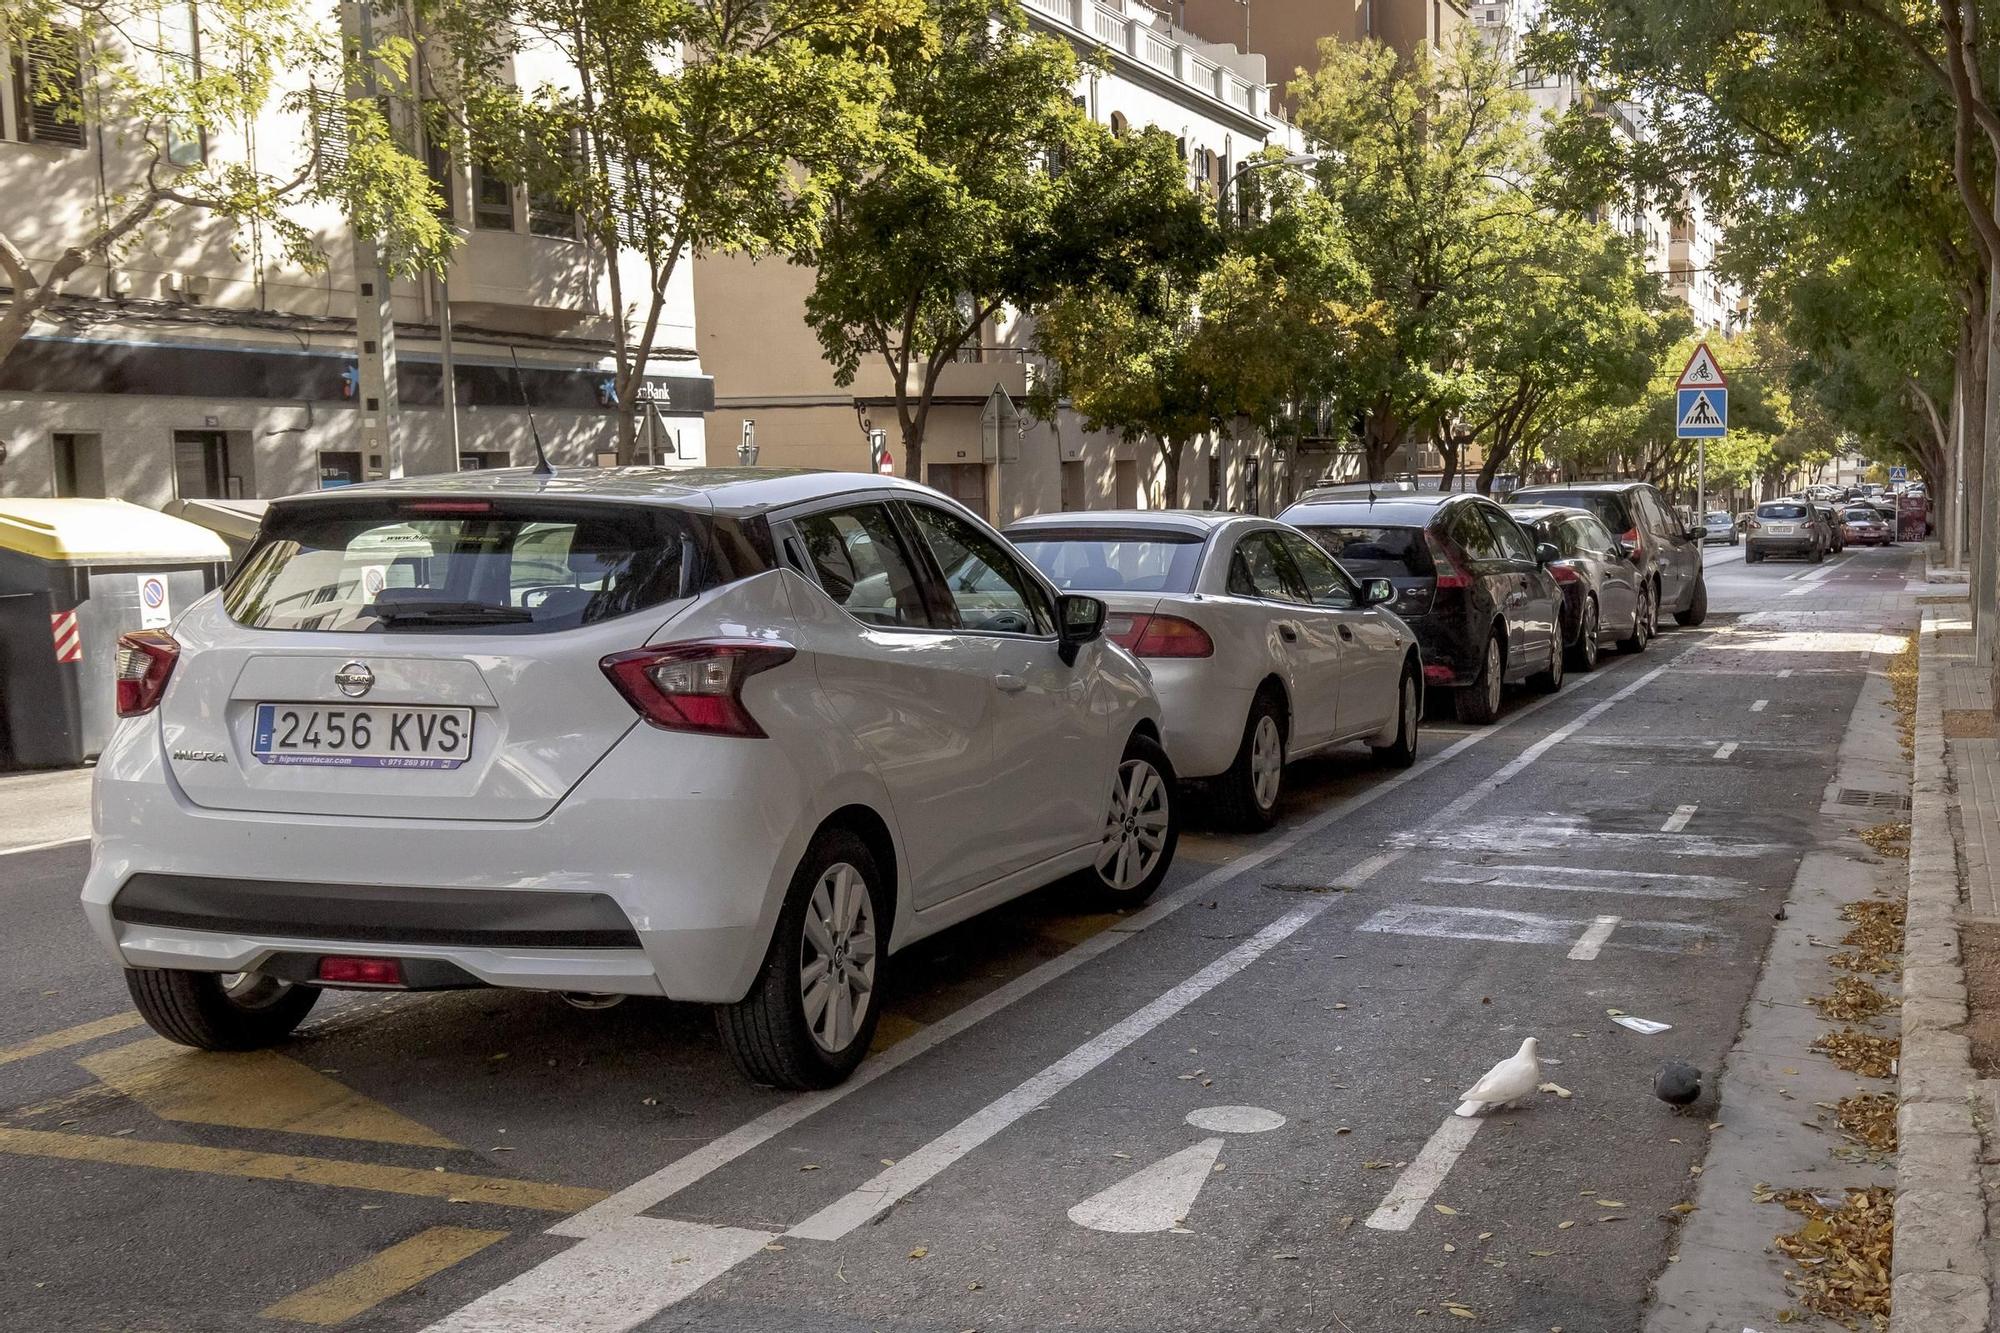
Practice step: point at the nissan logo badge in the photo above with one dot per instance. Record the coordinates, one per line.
(354, 679)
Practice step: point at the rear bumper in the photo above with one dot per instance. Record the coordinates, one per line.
(1781, 546)
(1203, 717)
(1446, 647)
(662, 873)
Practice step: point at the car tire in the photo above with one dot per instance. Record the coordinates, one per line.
(1402, 752)
(1146, 773)
(1642, 623)
(1247, 794)
(1583, 654)
(1479, 702)
(1818, 555)
(1751, 556)
(774, 1034)
(1697, 610)
(216, 1011)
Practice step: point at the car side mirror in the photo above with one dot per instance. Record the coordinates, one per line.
(1628, 548)
(1547, 554)
(1697, 532)
(1079, 619)
(1374, 592)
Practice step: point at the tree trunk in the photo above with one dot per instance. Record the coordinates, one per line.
(1170, 459)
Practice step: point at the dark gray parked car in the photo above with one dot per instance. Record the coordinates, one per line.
(1666, 550)
(1599, 583)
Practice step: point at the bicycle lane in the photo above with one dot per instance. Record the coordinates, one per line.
(729, 1206)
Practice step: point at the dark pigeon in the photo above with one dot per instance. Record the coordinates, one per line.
(1677, 1084)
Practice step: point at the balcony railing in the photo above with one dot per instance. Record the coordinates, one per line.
(1135, 36)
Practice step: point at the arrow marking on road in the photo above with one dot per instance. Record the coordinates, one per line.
(1154, 1198)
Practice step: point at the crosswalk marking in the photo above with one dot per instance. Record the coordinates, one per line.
(1592, 940)
(1678, 820)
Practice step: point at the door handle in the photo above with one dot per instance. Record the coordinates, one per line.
(1289, 633)
(1346, 633)
(1010, 683)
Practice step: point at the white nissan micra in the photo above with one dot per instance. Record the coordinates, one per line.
(729, 737)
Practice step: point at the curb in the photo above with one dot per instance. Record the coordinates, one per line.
(1934, 572)
(1939, 1271)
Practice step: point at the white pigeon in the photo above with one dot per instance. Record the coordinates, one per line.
(1507, 1082)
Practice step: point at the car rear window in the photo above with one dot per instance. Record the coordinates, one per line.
(1860, 516)
(1377, 553)
(1781, 511)
(463, 566)
(1113, 559)
(1608, 509)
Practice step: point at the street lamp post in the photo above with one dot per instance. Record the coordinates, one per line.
(1258, 164)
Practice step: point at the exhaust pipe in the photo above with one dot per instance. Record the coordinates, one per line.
(583, 999)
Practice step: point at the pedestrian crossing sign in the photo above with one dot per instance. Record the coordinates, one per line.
(1701, 414)
(1899, 474)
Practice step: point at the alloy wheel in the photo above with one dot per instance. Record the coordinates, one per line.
(1493, 669)
(1267, 761)
(837, 957)
(1412, 706)
(1591, 629)
(1135, 830)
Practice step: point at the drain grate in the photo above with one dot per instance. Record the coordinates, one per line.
(1872, 800)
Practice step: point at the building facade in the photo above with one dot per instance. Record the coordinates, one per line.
(981, 445)
(197, 363)
(1287, 33)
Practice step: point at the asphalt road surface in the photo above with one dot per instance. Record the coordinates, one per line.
(1232, 1110)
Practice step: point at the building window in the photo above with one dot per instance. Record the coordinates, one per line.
(492, 199)
(48, 90)
(1119, 125)
(79, 466)
(187, 139)
(201, 465)
(437, 158)
(548, 215)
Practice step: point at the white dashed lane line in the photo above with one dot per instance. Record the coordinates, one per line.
(1678, 820)
(1760, 705)
(1726, 749)
(1592, 940)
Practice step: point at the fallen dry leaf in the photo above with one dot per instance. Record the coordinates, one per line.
(1852, 999)
(1609, 1203)
(920, 1252)
(1860, 1053)
(1446, 1209)
(1844, 1252)
(1869, 1117)
(1564, 1226)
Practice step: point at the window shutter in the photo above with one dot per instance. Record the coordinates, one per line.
(332, 135)
(50, 90)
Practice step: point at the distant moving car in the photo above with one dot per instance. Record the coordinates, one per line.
(1263, 650)
(1468, 580)
(1599, 582)
(1863, 526)
(624, 732)
(1667, 552)
(1719, 526)
(1784, 527)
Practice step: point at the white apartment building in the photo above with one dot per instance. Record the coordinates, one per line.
(981, 444)
(1679, 243)
(199, 364)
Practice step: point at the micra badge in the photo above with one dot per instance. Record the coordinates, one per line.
(201, 756)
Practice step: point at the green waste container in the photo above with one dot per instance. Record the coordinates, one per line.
(74, 575)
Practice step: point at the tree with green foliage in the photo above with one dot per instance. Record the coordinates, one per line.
(688, 126)
(1431, 162)
(1178, 354)
(990, 191)
(172, 88)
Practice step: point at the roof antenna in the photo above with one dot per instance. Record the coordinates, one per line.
(542, 468)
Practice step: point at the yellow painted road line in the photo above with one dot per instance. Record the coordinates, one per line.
(380, 1276)
(304, 1170)
(76, 1036)
(250, 1090)
(1074, 930)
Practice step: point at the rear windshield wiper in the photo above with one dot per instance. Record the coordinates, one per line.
(448, 613)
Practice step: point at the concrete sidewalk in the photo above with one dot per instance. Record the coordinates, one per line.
(44, 809)
(1943, 1259)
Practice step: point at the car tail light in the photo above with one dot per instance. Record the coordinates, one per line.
(696, 686)
(1450, 573)
(1159, 636)
(1564, 573)
(146, 659)
(1630, 535)
(449, 507)
(361, 971)
(1437, 675)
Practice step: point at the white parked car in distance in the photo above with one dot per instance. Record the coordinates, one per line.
(1262, 648)
(720, 737)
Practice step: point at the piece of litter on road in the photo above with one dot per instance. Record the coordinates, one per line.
(920, 1252)
(1614, 1012)
(1340, 1006)
(1451, 1249)
(1126, 1155)
(649, 1101)
(1343, 1130)
(774, 1247)
(1558, 1089)
(810, 1166)
(1645, 1026)
(1284, 1256)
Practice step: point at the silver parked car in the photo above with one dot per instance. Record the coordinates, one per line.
(1262, 648)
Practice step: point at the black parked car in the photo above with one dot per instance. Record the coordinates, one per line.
(1468, 580)
(1667, 551)
(1599, 583)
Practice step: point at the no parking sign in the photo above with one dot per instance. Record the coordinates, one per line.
(155, 610)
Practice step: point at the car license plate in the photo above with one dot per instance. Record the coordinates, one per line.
(1781, 529)
(378, 736)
